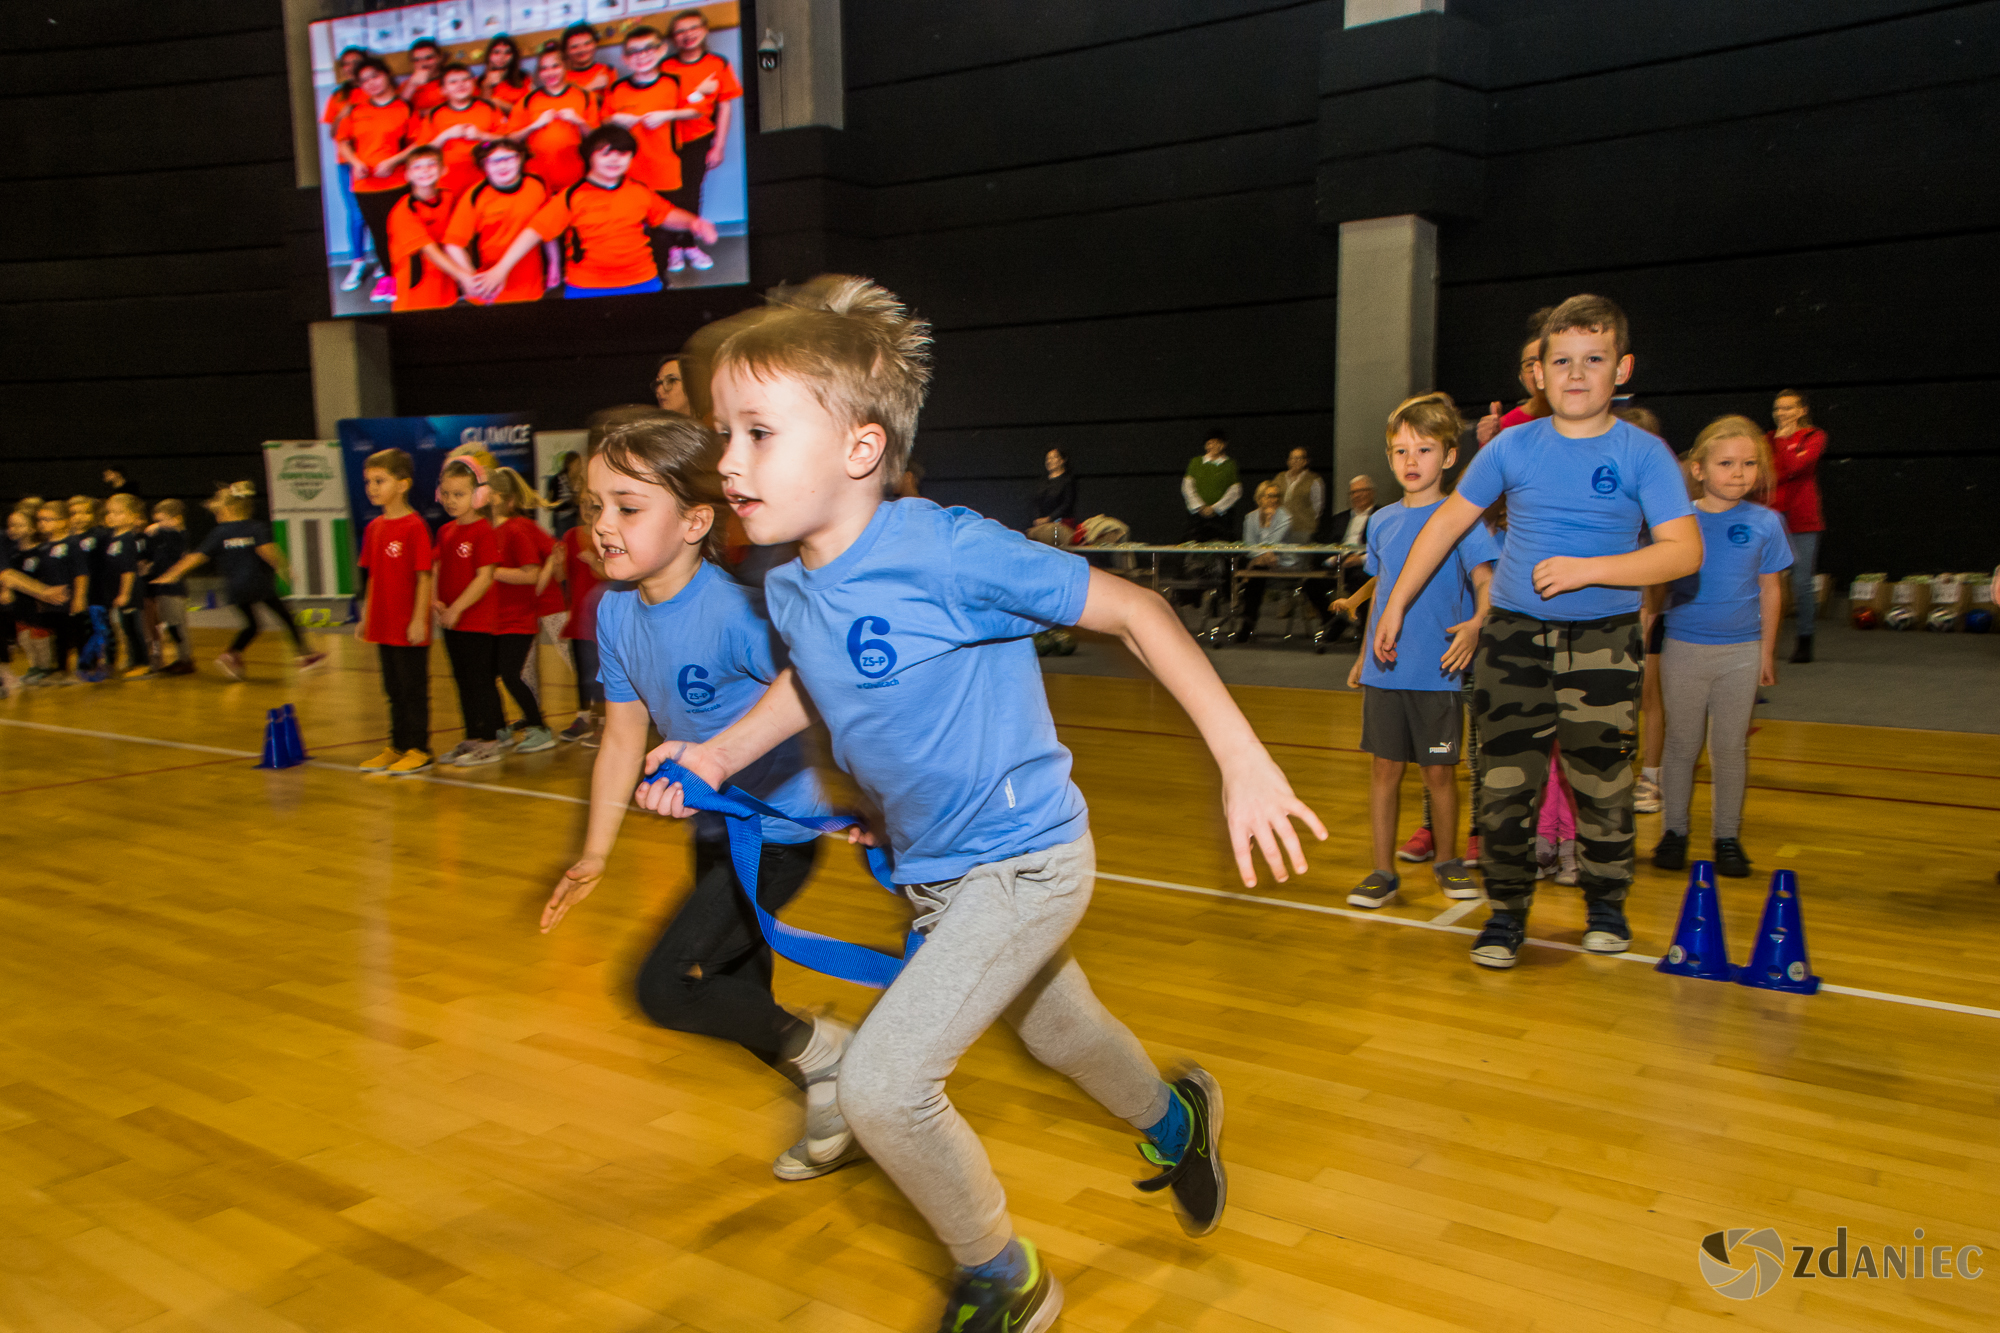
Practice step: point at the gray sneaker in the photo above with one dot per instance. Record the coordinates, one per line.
(827, 1144)
(457, 752)
(1378, 890)
(1456, 880)
(534, 740)
(481, 752)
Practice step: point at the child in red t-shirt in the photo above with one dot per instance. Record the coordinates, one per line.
(396, 613)
(466, 603)
(576, 564)
(520, 549)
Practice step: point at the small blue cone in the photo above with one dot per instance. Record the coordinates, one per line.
(1698, 949)
(295, 745)
(274, 740)
(1779, 960)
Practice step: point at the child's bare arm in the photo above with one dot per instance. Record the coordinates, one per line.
(420, 611)
(1453, 519)
(1257, 799)
(1674, 553)
(1465, 634)
(468, 599)
(1770, 610)
(612, 777)
(782, 713)
(181, 567)
(1355, 600)
(275, 558)
(518, 575)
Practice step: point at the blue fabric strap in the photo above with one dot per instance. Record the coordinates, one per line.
(742, 813)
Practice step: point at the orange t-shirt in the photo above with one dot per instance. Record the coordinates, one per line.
(694, 78)
(461, 173)
(486, 221)
(656, 165)
(413, 224)
(376, 133)
(552, 151)
(426, 95)
(337, 103)
(604, 232)
(503, 93)
(597, 78)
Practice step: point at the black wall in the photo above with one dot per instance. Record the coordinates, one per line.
(1122, 217)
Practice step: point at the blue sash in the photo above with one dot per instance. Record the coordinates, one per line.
(742, 812)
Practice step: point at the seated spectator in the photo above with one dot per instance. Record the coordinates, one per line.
(1266, 525)
(1055, 502)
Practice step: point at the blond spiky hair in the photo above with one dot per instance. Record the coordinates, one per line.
(863, 354)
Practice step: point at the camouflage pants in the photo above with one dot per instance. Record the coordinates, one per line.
(1577, 682)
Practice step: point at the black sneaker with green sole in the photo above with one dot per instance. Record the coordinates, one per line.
(1200, 1186)
(982, 1305)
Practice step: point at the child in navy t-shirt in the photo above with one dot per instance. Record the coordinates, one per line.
(1721, 637)
(249, 562)
(1560, 656)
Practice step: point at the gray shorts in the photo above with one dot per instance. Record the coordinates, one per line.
(171, 609)
(1412, 726)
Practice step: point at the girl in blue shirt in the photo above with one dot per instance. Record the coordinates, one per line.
(1721, 636)
(687, 648)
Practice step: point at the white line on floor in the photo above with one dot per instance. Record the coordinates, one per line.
(1441, 922)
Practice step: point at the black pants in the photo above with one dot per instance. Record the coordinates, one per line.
(69, 633)
(474, 664)
(251, 627)
(694, 167)
(588, 690)
(374, 206)
(510, 655)
(1209, 528)
(133, 621)
(710, 973)
(406, 679)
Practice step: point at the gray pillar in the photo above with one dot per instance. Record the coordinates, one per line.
(350, 370)
(1359, 12)
(1386, 344)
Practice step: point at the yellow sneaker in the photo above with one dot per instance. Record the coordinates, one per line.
(386, 759)
(139, 673)
(413, 761)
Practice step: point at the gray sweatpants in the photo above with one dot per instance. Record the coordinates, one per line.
(1711, 687)
(994, 945)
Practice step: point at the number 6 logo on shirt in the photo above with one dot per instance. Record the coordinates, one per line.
(694, 686)
(1604, 480)
(873, 658)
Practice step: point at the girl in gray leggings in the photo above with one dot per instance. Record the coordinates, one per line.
(1721, 637)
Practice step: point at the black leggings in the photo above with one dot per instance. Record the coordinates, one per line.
(251, 627)
(710, 973)
(374, 206)
(589, 690)
(133, 622)
(694, 167)
(406, 679)
(510, 657)
(473, 666)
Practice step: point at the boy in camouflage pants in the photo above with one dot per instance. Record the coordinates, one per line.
(1559, 658)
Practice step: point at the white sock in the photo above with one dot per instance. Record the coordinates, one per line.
(823, 1051)
(1650, 774)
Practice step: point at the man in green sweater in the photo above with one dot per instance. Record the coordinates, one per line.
(1210, 490)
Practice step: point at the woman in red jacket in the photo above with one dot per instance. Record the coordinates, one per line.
(1796, 445)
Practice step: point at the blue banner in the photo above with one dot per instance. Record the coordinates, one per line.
(508, 436)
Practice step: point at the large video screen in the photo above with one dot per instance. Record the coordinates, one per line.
(482, 152)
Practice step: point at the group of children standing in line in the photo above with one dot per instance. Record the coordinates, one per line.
(496, 584)
(1520, 595)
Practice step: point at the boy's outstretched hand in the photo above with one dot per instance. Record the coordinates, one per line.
(571, 889)
(1257, 801)
(1464, 641)
(664, 798)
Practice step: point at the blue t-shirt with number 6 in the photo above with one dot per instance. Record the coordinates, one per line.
(1573, 497)
(915, 645)
(1721, 602)
(699, 661)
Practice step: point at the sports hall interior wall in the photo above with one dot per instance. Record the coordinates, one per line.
(1122, 218)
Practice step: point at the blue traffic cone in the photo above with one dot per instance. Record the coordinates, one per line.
(295, 745)
(1698, 949)
(274, 740)
(1779, 960)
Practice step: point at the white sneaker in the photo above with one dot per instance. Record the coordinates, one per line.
(698, 258)
(677, 260)
(355, 272)
(1646, 796)
(480, 752)
(828, 1144)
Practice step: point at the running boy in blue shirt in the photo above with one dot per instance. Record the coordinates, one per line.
(1559, 658)
(908, 626)
(1413, 711)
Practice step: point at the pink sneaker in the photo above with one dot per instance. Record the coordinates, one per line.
(1471, 856)
(231, 665)
(385, 289)
(310, 660)
(1420, 847)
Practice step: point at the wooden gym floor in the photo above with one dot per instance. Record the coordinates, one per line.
(284, 1051)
